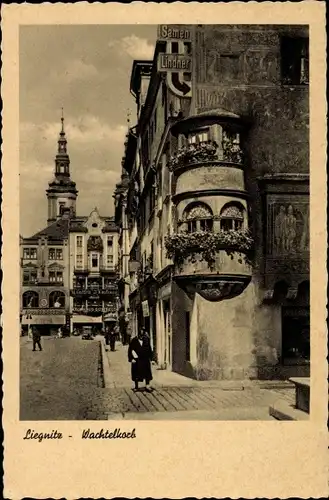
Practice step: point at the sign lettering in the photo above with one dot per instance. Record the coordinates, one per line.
(174, 62)
(173, 32)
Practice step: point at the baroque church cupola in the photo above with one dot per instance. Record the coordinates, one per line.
(62, 192)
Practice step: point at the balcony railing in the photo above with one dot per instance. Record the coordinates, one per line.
(81, 270)
(205, 152)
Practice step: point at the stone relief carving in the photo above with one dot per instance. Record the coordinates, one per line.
(220, 290)
(288, 228)
(197, 212)
(95, 243)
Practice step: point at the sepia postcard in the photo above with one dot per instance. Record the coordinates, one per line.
(164, 250)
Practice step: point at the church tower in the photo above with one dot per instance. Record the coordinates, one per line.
(62, 192)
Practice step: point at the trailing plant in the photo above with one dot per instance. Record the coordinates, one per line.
(206, 244)
(194, 153)
(232, 151)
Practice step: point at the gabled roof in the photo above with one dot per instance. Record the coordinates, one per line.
(58, 230)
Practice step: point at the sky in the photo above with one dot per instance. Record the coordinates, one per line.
(86, 70)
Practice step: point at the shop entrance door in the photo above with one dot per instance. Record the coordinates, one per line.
(295, 335)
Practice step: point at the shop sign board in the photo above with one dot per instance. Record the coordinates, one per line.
(174, 63)
(145, 308)
(174, 32)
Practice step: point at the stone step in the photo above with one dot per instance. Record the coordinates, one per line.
(282, 410)
(302, 385)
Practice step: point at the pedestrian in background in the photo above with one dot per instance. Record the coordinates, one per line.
(36, 337)
(140, 356)
(107, 335)
(113, 338)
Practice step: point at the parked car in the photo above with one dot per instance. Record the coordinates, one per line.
(87, 333)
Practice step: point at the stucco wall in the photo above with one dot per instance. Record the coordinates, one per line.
(210, 177)
(232, 339)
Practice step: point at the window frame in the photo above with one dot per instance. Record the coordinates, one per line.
(92, 257)
(28, 252)
(35, 296)
(294, 50)
(237, 223)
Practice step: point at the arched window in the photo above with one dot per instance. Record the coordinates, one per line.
(231, 217)
(198, 217)
(57, 299)
(30, 299)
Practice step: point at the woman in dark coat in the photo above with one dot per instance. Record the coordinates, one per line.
(140, 356)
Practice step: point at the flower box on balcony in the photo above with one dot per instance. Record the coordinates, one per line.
(205, 152)
(205, 245)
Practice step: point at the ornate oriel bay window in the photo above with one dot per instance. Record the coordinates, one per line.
(212, 245)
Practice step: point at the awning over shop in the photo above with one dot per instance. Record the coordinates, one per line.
(110, 317)
(86, 319)
(57, 319)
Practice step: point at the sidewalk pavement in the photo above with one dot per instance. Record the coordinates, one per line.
(178, 397)
(120, 376)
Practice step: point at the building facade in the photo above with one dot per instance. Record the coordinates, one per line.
(93, 243)
(68, 269)
(217, 201)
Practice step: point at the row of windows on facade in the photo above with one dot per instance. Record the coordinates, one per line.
(32, 299)
(53, 254)
(94, 283)
(57, 300)
(31, 276)
(95, 260)
(79, 241)
(199, 217)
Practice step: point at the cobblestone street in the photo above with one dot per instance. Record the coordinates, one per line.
(54, 388)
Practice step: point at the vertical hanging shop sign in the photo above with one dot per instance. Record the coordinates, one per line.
(176, 62)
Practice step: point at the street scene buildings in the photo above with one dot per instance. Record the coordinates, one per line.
(207, 250)
(213, 202)
(69, 267)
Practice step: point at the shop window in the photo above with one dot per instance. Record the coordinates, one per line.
(198, 217)
(30, 299)
(294, 60)
(29, 276)
(30, 253)
(78, 303)
(295, 335)
(231, 217)
(56, 299)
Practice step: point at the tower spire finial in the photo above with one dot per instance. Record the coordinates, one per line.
(62, 120)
